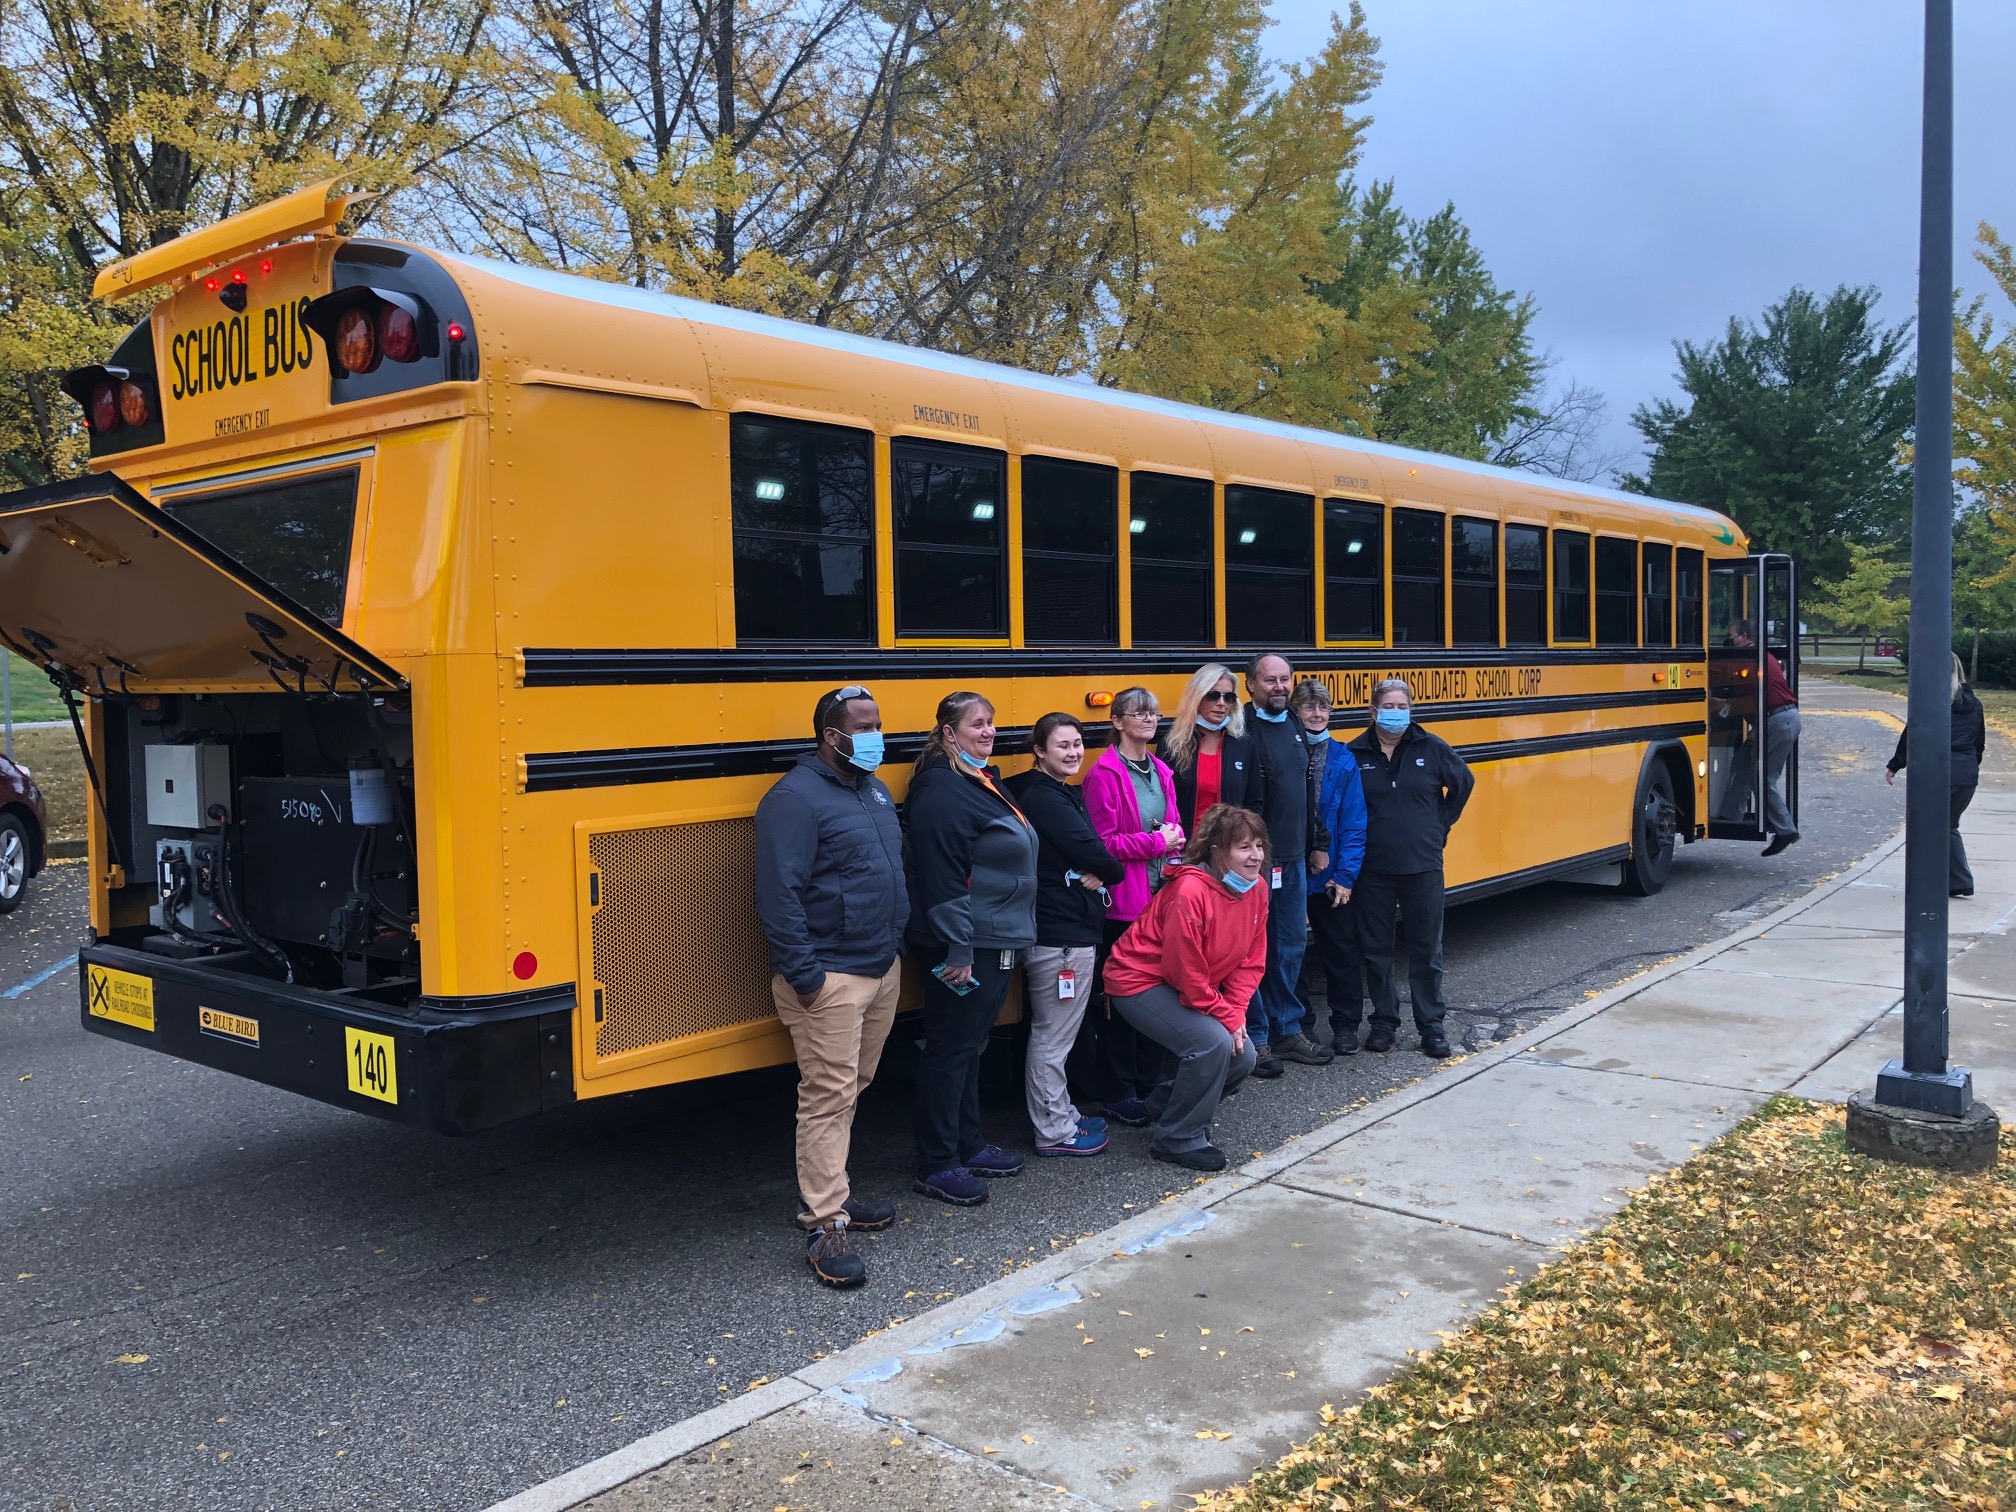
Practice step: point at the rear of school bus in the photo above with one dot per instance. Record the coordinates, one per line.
(272, 606)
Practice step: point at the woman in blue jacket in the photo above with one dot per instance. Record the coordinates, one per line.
(1333, 926)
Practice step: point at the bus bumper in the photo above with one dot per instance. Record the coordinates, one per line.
(451, 1067)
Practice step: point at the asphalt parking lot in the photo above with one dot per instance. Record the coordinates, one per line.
(220, 1296)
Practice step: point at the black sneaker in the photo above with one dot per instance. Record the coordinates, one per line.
(1267, 1065)
(1130, 1111)
(994, 1162)
(1781, 841)
(958, 1186)
(1435, 1044)
(1380, 1040)
(1302, 1050)
(1206, 1158)
(865, 1217)
(831, 1261)
(1344, 1042)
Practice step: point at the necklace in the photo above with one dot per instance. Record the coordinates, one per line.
(1145, 766)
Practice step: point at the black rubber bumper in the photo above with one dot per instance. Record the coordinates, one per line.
(451, 1066)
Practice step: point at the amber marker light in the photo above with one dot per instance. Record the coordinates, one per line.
(1098, 700)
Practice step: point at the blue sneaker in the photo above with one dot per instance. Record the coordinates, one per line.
(1092, 1125)
(1084, 1142)
(1131, 1111)
(958, 1186)
(993, 1161)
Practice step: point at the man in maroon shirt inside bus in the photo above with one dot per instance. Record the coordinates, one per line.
(1781, 734)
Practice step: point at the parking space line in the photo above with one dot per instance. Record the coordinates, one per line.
(20, 988)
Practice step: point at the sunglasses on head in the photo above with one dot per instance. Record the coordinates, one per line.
(851, 692)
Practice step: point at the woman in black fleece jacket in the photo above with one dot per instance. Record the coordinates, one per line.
(973, 908)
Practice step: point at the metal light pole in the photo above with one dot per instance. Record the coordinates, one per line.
(1924, 1111)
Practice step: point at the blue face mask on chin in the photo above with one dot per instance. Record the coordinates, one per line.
(973, 763)
(1213, 726)
(867, 750)
(1393, 721)
(1239, 884)
(1260, 713)
(1315, 737)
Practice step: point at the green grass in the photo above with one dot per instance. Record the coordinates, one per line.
(34, 699)
(1778, 1323)
(1998, 703)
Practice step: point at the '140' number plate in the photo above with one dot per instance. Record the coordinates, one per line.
(370, 1065)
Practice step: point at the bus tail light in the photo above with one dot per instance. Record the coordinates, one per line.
(134, 406)
(364, 327)
(104, 410)
(398, 334)
(356, 344)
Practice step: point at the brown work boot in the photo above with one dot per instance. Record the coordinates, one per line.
(831, 1261)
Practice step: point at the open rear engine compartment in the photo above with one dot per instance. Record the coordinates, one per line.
(267, 834)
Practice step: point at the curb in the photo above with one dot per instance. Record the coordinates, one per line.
(67, 850)
(573, 1487)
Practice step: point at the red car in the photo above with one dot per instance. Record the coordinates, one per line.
(24, 826)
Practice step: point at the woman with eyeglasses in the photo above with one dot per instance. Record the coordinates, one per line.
(973, 910)
(1131, 796)
(1209, 754)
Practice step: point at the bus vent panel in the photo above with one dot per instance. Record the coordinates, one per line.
(674, 947)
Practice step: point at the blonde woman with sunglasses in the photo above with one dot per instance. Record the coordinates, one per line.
(1210, 756)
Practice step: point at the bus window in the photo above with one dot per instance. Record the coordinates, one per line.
(1473, 582)
(1070, 553)
(1658, 594)
(294, 536)
(1417, 578)
(1354, 572)
(1525, 585)
(1269, 584)
(804, 508)
(951, 539)
(1616, 592)
(1571, 585)
(1169, 535)
(1687, 572)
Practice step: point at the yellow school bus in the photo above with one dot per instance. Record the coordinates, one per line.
(435, 624)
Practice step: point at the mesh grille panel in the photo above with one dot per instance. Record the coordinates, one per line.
(677, 948)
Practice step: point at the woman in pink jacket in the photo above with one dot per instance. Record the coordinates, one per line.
(1131, 797)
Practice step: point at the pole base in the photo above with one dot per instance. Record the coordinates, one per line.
(1951, 1092)
(1908, 1136)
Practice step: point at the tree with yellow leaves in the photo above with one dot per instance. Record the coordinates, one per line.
(1984, 431)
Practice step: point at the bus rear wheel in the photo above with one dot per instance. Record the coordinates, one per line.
(1655, 822)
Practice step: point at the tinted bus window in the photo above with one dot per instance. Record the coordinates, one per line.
(1473, 582)
(804, 510)
(1070, 553)
(1270, 551)
(1687, 572)
(951, 539)
(1657, 577)
(1169, 535)
(1571, 585)
(1525, 585)
(1354, 572)
(1417, 578)
(1616, 592)
(293, 536)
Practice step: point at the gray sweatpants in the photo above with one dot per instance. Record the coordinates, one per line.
(1053, 1027)
(1781, 736)
(1206, 1068)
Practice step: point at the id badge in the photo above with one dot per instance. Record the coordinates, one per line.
(1277, 879)
(1007, 960)
(1067, 984)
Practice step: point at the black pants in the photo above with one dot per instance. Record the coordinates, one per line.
(1959, 875)
(948, 1075)
(1333, 950)
(1418, 897)
(1111, 1059)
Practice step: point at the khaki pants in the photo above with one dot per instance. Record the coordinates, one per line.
(838, 1041)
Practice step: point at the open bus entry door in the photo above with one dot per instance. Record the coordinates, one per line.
(1760, 594)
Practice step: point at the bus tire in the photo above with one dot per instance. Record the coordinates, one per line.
(1655, 821)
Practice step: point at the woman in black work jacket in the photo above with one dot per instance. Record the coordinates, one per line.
(1969, 735)
(1415, 788)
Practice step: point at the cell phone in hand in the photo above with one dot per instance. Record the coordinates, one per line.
(960, 988)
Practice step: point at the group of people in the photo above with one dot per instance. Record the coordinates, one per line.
(1159, 900)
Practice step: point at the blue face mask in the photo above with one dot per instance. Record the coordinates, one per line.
(867, 752)
(1239, 884)
(974, 762)
(1315, 737)
(1260, 713)
(1213, 726)
(1393, 721)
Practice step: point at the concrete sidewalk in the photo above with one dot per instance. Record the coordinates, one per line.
(1184, 1349)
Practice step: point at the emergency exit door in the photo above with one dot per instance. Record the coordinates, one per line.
(1753, 613)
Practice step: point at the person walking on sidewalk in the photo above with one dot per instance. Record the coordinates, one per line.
(1781, 736)
(1289, 807)
(830, 893)
(1415, 787)
(1333, 926)
(973, 910)
(1185, 973)
(1131, 798)
(1209, 750)
(1075, 875)
(1969, 734)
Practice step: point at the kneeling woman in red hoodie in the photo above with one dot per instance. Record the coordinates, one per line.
(1185, 972)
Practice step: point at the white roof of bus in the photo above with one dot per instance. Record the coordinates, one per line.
(644, 301)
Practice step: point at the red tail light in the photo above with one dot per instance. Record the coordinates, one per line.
(398, 333)
(356, 341)
(105, 407)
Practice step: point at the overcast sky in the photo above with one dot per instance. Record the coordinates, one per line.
(1647, 170)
